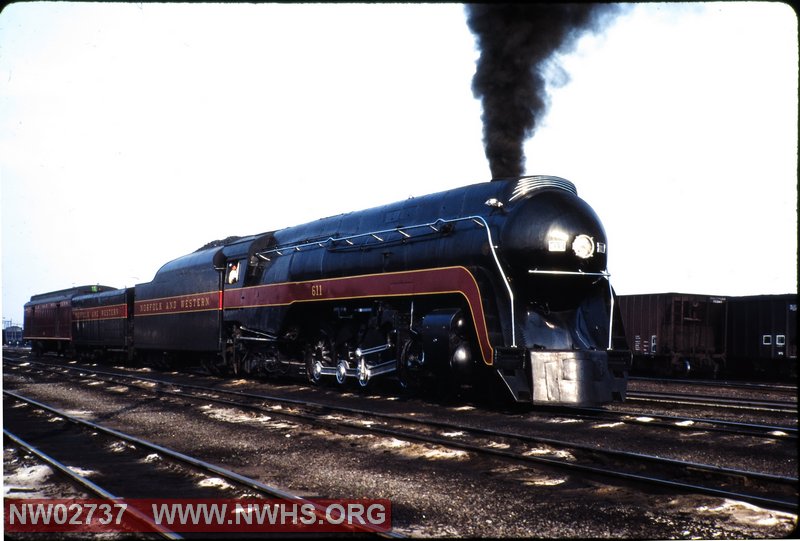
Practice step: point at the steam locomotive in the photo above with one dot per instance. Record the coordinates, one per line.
(501, 281)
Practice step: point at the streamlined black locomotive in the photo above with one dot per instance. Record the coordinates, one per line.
(500, 281)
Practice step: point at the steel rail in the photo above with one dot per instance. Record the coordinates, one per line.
(625, 455)
(88, 484)
(675, 421)
(714, 401)
(192, 461)
(736, 427)
(750, 385)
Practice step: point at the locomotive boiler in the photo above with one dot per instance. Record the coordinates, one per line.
(500, 284)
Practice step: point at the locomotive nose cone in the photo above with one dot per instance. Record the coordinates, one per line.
(554, 230)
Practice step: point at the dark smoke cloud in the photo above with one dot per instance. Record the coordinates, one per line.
(516, 41)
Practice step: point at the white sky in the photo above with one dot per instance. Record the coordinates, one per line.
(133, 134)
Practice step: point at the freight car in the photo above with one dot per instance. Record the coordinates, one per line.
(681, 334)
(762, 335)
(501, 281)
(675, 333)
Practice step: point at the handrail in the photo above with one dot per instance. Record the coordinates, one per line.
(349, 238)
(604, 274)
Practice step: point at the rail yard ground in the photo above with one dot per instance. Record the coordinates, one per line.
(435, 490)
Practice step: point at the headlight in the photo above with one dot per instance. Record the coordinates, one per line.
(583, 246)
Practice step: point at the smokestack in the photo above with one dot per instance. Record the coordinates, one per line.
(515, 41)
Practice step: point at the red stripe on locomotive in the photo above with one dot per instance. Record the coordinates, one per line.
(457, 280)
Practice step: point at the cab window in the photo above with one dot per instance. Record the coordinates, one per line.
(232, 276)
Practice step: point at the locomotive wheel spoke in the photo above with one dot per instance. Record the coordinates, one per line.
(409, 369)
(321, 354)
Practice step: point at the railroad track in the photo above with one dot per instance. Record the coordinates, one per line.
(766, 490)
(86, 484)
(754, 386)
(714, 401)
(758, 430)
(676, 422)
(777, 432)
(122, 462)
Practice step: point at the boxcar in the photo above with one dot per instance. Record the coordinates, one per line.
(48, 318)
(762, 334)
(675, 333)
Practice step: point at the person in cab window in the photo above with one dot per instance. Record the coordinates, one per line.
(233, 273)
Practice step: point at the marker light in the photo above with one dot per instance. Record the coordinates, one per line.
(583, 246)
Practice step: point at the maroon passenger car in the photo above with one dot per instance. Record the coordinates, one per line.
(48, 318)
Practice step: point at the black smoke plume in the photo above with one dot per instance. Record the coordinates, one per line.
(516, 41)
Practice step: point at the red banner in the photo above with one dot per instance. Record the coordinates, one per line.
(201, 515)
